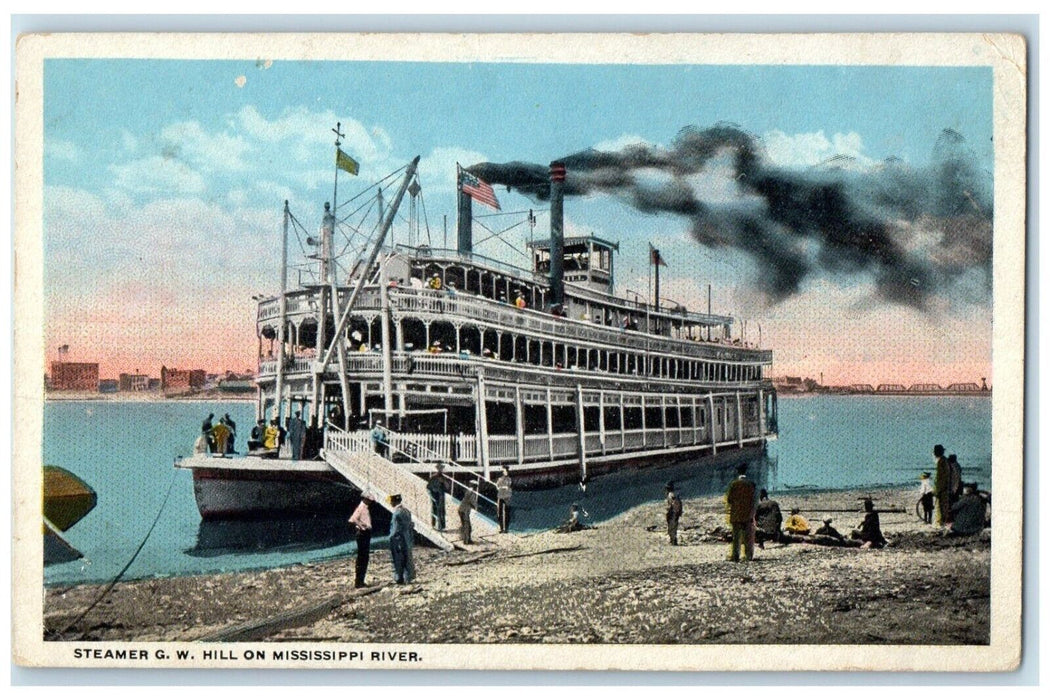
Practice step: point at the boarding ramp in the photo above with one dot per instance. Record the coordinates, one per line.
(354, 457)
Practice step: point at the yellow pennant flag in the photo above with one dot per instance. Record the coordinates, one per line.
(345, 162)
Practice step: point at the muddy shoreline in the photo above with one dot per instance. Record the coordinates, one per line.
(620, 582)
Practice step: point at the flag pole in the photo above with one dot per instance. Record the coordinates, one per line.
(335, 187)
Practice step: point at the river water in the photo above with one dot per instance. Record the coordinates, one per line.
(125, 451)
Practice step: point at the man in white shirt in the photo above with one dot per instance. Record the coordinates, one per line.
(362, 520)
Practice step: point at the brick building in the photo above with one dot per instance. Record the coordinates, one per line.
(74, 376)
(172, 379)
(134, 382)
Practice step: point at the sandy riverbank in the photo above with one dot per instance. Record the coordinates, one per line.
(620, 582)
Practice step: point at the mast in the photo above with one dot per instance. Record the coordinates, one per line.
(387, 223)
(328, 223)
(278, 393)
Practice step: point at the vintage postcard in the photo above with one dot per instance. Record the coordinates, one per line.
(435, 351)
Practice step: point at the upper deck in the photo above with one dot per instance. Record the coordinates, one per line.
(477, 291)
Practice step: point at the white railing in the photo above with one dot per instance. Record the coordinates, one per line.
(466, 448)
(503, 448)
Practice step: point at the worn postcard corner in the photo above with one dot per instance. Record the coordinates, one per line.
(576, 351)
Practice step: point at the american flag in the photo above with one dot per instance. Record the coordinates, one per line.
(478, 189)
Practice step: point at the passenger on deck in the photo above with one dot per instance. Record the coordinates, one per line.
(271, 436)
(796, 524)
(435, 348)
(220, 434)
(519, 301)
(380, 440)
(206, 427)
(230, 449)
(258, 435)
(200, 445)
(451, 289)
(402, 533)
(469, 503)
(296, 434)
(869, 532)
(502, 298)
(435, 282)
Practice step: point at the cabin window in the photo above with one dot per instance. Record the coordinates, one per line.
(632, 417)
(535, 420)
(591, 418)
(500, 418)
(612, 417)
(653, 417)
(564, 419)
(671, 417)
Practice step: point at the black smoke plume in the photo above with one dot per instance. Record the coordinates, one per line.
(914, 230)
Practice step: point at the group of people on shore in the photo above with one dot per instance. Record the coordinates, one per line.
(961, 509)
(754, 518)
(402, 528)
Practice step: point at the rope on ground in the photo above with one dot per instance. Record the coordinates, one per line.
(123, 571)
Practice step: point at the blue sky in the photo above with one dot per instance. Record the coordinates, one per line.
(164, 182)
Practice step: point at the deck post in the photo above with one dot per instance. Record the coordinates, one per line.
(623, 427)
(761, 413)
(483, 425)
(519, 423)
(580, 425)
(550, 427)
(711, 422)
(739, 423)
(384, 325)
(601, 419)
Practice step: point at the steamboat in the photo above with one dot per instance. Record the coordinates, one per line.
(476, 364)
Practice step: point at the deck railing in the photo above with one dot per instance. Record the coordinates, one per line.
(462, 449)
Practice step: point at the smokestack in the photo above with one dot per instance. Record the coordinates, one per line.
(557, 234)
(466, 221)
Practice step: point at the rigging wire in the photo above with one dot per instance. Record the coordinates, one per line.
(117, 578)
(374, 185)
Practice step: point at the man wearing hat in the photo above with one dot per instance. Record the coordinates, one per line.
(926, 497)
(968, 513)
(402, 532)
(380, 440)
(827, 530)
(469, 503)
(740, 511)
(674, 513)
(362, 520)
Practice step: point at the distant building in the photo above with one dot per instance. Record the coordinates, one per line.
(134, 382)
(237, 383)
(74, 376)
(789, 385)
(108, 386)
(172, 379)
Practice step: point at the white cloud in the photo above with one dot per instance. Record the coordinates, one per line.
(208, 151)
(621, 142)
(63, 150)
(438, 168)
(157, 175)
(310, 132)
(129, 141)
(812, 148)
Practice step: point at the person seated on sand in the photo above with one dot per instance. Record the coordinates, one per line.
(869, 531)
(573, 524)
(967, 513)
(827, 530)
(796, 524)
(768, 519)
